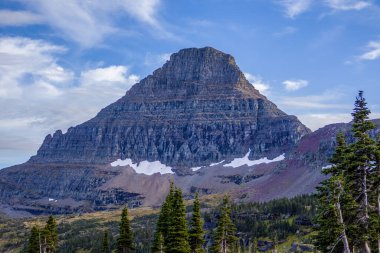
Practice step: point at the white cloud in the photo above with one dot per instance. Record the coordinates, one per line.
(33, 83)
(108, 74)
(144, 10)
(258, 83)
(294, 8)
(373, 53)
(19, 18)
(89, 22)
(34, 60)
(346, 5)
(293, 85)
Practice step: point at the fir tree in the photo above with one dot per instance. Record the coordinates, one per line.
(158, 243)
(347, 199)
(163, 223)
(376, 220)
(224, 238)
(196, 230)
(125, 240)
(336, 205)
(34, 241)
(178, 237)
(49, 236)
(360, 173)
(105, 245)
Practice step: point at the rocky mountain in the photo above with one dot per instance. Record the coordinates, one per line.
(197, 109)
(196, 116)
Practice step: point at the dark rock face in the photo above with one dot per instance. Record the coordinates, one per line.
(77, 188)
(197, 109)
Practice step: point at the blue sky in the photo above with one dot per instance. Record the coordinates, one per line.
(62, 61)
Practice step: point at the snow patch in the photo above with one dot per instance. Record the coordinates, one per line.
(54, 200)
(327, 167)
(238, 162)
(213, 164)
(196, 168)
(144, 167)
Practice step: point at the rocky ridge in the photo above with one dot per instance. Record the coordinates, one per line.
(197, 109)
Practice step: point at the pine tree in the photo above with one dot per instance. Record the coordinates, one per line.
(376, 220)
(34, 244)
(348, 198)
(158, 243)
(105, 245)
(196, 230)
(125, 240)
(224, 237)
(163, 223)
(334, 204)
(360, 173)
(178, 237)
(49, 236)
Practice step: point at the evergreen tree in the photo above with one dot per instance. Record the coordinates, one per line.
(163, 223)
(125, 240)
(34, 241)
(347, 200)
(105, 245)
(360, 174)
(335, 205)
(178, 237)
(196, 230)
(49, 236)
(376, 220)
(224, 237)
(158, 243)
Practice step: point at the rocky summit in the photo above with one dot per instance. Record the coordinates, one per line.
(197, 115)
(195, 110)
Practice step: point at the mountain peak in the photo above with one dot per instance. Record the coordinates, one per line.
(206, 65)
(196, 109)
(200, 72)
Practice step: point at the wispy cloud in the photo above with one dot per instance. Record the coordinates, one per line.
(293, 85)
(19, 18)
(258, 83)
(31, 60)
(293, 8)
(89, 22)
(346, 5)
(373, 52)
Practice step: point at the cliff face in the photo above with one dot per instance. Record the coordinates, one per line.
(197, 109)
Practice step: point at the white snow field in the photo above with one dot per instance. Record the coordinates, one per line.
(144, 167)
(238, 162)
